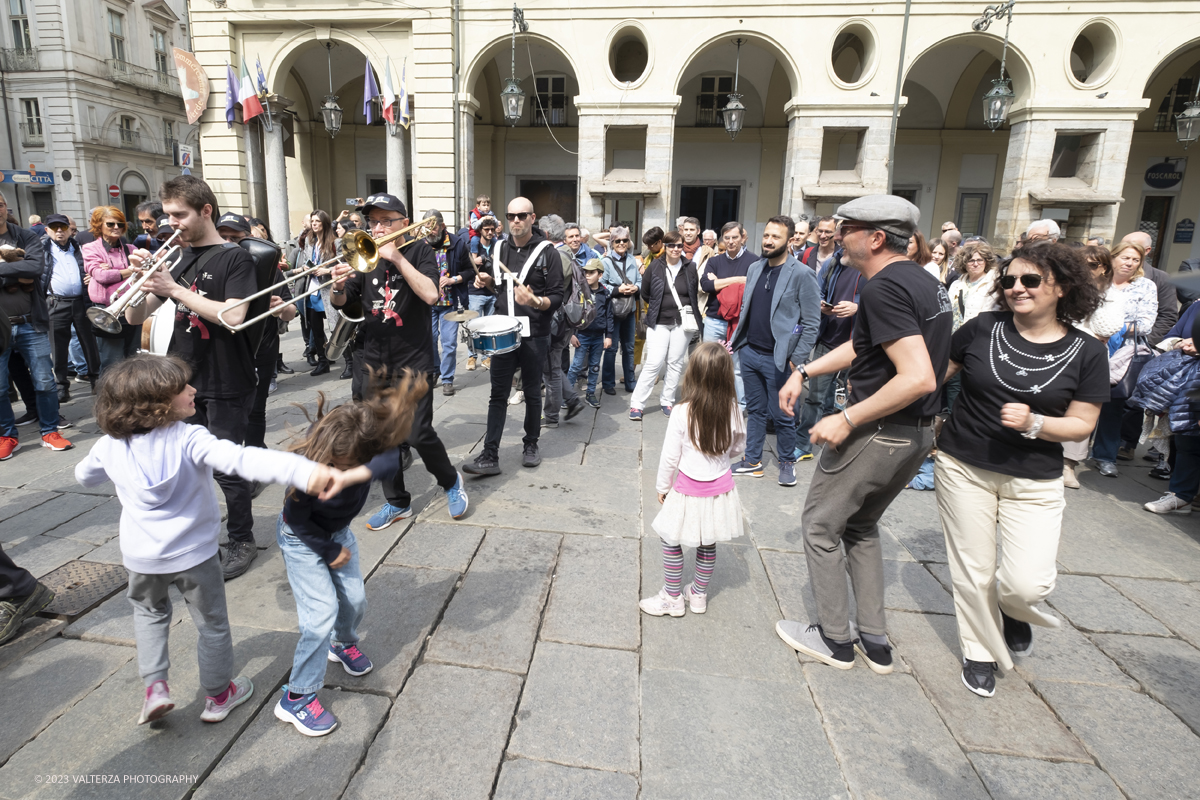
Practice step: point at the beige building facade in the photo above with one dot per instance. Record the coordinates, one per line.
(622, 123)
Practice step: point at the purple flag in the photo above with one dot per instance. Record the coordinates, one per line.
(370, 92)
(231, 94)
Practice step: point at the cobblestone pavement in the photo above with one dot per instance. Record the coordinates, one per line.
(511, 660)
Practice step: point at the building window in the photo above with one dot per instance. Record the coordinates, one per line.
(31, 125)
(714, 94)
(129, 137)
(1172, 104)
(550, 108)
(160, 51)
(20, 25)
(116, 35)
(972, 213)
(169, 135)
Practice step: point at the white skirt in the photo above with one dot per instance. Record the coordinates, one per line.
(693, 521)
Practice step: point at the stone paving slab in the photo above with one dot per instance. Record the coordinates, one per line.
(1008, 778)
(16, 501)
(1169, 669)
(263, 762)
(111, 622)
(913, 519)
(1014, 722)
(1092, 605)
(606, 459)
(493, 619)
(580, 708)
(48, 515)
(1066, 655)
(374, 546)
(95, 527)
(55, 477)
(521, 779)
(744, 738)
(403, 603)
(43, 554)
(261, 597)
(589, 600)
(887, 736)
(1099, 537)
(1175, 604)
(1142, 746)
(735, 637)
(437, 545)
(44, 684)
(107, 553)
(30, 636)
(451, 725)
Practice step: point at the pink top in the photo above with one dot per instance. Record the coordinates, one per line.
(104, 264)
(694, 488)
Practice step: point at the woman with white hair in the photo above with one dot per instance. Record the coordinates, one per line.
(624, 280)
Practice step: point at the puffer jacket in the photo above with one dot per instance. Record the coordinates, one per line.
(1166, 385)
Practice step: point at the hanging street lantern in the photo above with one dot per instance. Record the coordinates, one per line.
(1187, 124)
(1000, 97)
(734, 112)
(331, 112)
(512, 100)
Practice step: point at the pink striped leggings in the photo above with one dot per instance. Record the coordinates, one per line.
(706, 559)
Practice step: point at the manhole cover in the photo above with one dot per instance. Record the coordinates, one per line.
(79, 585)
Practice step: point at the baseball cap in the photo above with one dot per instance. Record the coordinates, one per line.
(593, 265)
(886, 212)
(387, 202)
(163, 222)
(235, 222)
(56, 219)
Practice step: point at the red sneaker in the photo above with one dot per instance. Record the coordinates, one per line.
(55, 441)
(8, 446)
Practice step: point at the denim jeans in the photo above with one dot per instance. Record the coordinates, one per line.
(763, 381)
(589, 354)
(330, 604)
(818, 402)
(1108, 431)
(115, 349)
(75, 357)
(1185, 475)
(446, 332)
(34, 347)
(485, 305)
(717, 330)
(624, 331)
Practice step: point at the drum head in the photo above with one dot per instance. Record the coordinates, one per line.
(496, 323)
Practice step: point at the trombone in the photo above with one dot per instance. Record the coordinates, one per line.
(109, 319)
(359, 251)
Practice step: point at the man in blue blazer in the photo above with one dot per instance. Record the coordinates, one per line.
(776, 331)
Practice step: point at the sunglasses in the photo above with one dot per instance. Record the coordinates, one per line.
(520, 215)
(620, 241)
(114, 224)
(1030, 281)
(676, 246)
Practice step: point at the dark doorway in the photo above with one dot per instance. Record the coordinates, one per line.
(130, 203)
(1156, 213)
(712, 205)
(550, 196)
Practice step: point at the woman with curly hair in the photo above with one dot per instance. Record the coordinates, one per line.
(1030, 382)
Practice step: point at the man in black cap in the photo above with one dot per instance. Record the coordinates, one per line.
(397, 333)
(233, 227)
(897, 358)
(65, 285)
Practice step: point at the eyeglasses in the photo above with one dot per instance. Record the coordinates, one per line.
(114, 224)
(676, 246)
(520, 215)
(976, 261)
(844, 229)
(620, 241)
(384, 223)
(57, 228)
(1029, 281)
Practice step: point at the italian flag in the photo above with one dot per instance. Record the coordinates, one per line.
(251, 107)
(389, 94)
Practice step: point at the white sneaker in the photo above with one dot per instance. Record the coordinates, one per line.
(697, 601)
(517, 398)
(215, 712)
(662, 603)
(1169, 504)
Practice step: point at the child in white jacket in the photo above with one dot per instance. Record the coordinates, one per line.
(163, 472)
(700, 504)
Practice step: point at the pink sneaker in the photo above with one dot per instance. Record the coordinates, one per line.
(697, 601)
(240, 690)
(662, 604)
(158, 702)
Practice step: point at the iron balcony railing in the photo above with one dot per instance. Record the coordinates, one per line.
(123, 72)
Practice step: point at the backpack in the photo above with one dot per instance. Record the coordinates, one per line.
(578, 309)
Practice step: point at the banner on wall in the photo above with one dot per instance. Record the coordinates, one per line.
(193, 84)
(1165, 175)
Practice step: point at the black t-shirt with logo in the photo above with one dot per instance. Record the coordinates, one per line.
(1000, 366)
(901, 300)
(396, 331)
(221, 361)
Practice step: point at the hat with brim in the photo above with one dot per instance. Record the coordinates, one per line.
(387, 202)
(593, 265)
(886, 212)
(57, 219)
(235, 222)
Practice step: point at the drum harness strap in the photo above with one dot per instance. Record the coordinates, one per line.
(512, 307)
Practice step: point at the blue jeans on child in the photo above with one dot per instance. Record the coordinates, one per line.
(330, 604)
(486, 306)
(589, 352)
(447, 332)
(624, 331)
(34, 347)
(716, 330)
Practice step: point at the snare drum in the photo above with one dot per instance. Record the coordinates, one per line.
(158, 330)
(495, 334)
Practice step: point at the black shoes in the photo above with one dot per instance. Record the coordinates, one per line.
(1018, 635)
(283, 369)
(877, 656)
(321, 369)
(15, 611)
(312, 360)
(448, 389)
(610, 390)
(406, 457)
(979, 677)
(26, 418)
(347, 373)
(530, 456)
(64, 394)
(236, 558)
(484, 464)
(573, 409)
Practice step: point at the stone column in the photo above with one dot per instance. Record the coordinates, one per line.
(256, 180)
(590, 207)
(397, 164)
(275, 169)
(467, 106)
(660, 154)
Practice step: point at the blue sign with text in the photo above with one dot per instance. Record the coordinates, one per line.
(25, 176)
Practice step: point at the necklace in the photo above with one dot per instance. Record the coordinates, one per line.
(1057, 362)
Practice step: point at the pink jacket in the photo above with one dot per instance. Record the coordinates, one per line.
(104, 266)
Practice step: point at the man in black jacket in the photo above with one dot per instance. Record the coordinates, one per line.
(64, 284)
(536, 290)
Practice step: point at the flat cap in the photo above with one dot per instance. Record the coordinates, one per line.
(884, 211)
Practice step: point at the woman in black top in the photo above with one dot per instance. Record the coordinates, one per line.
(666, 340)
(1030, 381)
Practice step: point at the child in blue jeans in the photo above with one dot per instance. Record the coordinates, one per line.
(320, 551)
(591, 342)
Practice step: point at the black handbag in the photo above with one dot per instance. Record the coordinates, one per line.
(1143, 354)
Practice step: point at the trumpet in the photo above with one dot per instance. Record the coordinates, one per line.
(359, 251)
(108, 319)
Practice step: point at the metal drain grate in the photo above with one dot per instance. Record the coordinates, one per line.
(79, 585)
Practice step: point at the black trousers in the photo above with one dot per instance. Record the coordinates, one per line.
(65, 312)
(228, 419)
(256, 426)
(530, 357)
(14, 581)
(316, 334)
(429, 446)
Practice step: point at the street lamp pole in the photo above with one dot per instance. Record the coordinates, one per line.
(896, 99)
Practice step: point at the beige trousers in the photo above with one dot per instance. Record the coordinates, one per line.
(1077, 451)
(972, 502)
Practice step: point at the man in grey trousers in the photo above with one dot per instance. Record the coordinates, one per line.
(897, 359)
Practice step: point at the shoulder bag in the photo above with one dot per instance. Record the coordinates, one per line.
(687, 317)
(1139, 355)
(621, 305)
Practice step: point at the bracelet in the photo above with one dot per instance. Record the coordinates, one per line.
(848, 420)
(803, 372)
(1038, 422)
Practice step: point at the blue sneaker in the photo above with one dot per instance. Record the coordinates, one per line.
(787, 473)
(458, 499)
(635, 414)
(666, 410)
(386, 516)
(745, 467)
(353, 660)
(306, 713)
(800, 455)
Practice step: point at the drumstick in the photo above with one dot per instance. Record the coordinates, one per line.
(500, 264)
